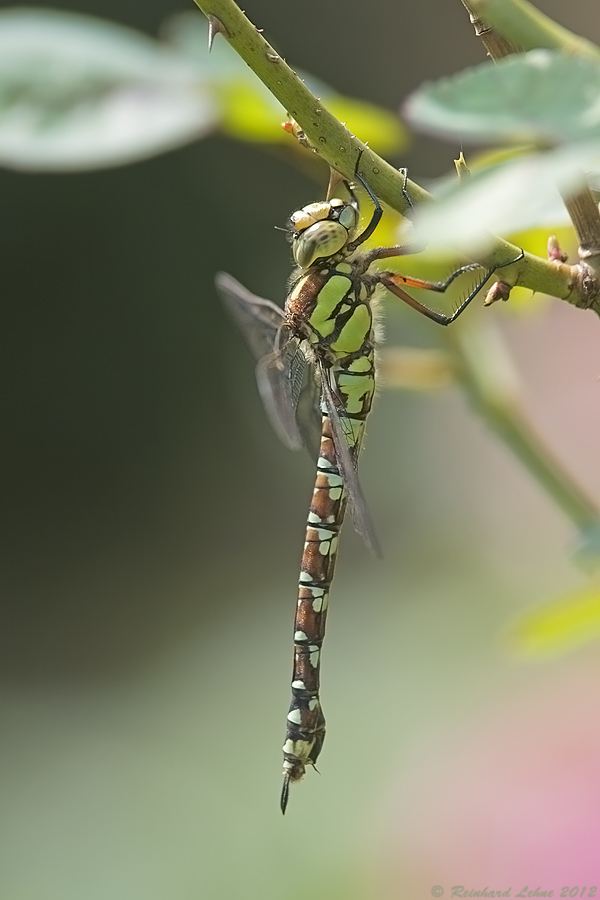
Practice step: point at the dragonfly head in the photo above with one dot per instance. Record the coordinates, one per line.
(320, 230)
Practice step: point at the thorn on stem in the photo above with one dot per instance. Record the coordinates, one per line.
(215, 26)
(334, 180)
(462, 169)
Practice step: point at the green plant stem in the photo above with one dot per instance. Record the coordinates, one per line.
(485, 373)
(525, 26)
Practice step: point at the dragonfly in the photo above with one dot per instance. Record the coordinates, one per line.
(316, 374)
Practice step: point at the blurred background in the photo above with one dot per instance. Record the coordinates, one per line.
(152, 528)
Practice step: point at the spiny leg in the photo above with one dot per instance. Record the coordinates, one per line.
(393, 281)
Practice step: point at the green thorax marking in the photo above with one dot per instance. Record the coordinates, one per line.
(339, 320)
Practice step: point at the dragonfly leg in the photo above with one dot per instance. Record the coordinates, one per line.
(377, 212)
(380, 252)
(394, 282)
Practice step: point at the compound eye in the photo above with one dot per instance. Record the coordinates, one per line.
(349, 218)
(320, 241)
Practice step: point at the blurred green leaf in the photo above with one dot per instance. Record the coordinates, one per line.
(588, 546)
(410, 368)
(557, 627)
(80, 93)
(516, 195)
(541, 96)
(249, 112)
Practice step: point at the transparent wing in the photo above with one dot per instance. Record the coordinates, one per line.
(258, 320)
(275, 386)
(282, 368)
(361, 517)
(308, 411)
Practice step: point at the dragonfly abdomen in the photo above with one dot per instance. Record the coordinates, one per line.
(305, 722)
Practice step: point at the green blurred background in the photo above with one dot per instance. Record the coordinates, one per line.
(152, 526)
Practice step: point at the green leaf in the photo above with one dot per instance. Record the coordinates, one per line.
(517, 195)
(588, 546)
(79, 93)
(410, 368)
(541, 96)
(250, 113)
(557, 627)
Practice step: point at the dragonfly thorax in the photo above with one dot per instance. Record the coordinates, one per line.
(320, 230)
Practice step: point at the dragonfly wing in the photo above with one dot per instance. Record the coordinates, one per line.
(275, 389)
(258, 320)
(306, 398)
(361, 518)
(309, 418)
(261, 324)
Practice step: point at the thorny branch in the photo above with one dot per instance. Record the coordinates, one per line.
(338, 147)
